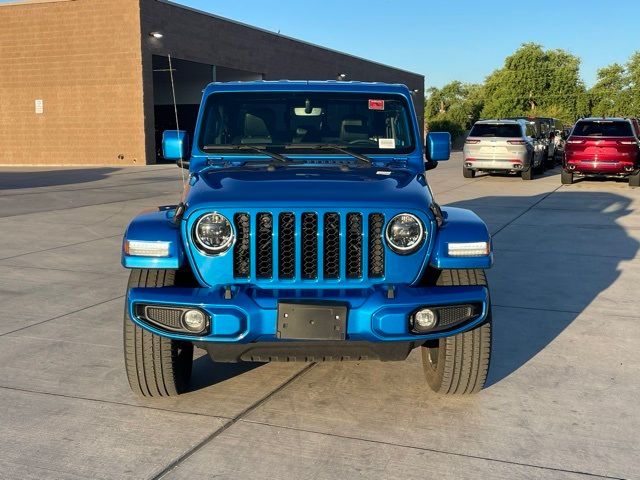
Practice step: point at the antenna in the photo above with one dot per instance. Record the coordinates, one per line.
(175, 109)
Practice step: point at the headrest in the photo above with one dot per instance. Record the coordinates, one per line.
(353, 129)
(255, 123)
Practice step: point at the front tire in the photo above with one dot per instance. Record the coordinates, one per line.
(459, 364)
(156, 366)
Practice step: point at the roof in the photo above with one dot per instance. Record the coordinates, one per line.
(308, 86)
(503, 121)
(278, 34)
(605, 119)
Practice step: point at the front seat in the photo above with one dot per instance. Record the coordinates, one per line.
(353, 129)
(256, 127)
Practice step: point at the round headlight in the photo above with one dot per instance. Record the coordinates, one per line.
(213, 233)
(404, 233)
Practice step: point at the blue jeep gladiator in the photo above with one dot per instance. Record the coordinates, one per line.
(307, 231)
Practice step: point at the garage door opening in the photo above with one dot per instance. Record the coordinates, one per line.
(190, 78)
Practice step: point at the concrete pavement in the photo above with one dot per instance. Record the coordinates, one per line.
(563, 387)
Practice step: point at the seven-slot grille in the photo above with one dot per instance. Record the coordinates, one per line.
(309, 246)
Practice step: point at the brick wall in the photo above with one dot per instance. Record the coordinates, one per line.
(90, 61)
(83, 59)
(198, 37)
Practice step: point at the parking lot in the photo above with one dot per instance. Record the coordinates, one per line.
(563, 389)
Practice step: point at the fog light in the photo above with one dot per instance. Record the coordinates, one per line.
(194, 320)
(424, 320)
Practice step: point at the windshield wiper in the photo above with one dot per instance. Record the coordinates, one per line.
(263, 150)
(337, 148)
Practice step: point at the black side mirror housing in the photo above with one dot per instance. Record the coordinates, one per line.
(430, 165)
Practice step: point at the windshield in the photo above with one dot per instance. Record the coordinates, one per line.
(307, 121)
(603, 129)
(496, 130)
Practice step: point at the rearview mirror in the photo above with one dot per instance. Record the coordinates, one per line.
(175, 146)
(438, 147)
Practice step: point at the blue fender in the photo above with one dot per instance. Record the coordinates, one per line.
(460, 226)
(155, 226)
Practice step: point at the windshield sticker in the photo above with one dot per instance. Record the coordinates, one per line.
(386, 143)
(376, 104)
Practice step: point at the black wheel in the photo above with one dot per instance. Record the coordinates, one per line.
(156, 366)
(550, 163)
(459, 364)
(528, 173)
(566, 178)
(468, 173)
(634, 180)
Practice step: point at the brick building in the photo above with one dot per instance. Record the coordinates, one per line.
(86, 82)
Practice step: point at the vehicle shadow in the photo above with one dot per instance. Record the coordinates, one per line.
(550, 264)
(206, 373)
(14, 180)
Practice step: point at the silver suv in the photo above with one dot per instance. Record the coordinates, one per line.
(504, 146)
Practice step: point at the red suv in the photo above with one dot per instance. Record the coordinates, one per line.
(603, 146)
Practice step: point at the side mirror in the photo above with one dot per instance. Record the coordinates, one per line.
(438, 147)
(175, 146)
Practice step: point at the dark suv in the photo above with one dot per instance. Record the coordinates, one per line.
(603, 146)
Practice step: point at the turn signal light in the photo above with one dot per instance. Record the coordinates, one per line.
(474, 249)
(137, 248)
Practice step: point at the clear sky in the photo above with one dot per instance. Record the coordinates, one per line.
(449, 40)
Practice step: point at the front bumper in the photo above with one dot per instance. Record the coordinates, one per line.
(251, 314)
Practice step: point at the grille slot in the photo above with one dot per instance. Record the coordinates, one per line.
(331, 245)
(264, 246)
(376, 247)
(242, 249)
(354, 245)
(309, 246)
(287, 245)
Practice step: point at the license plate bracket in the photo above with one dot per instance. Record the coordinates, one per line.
(311, 321)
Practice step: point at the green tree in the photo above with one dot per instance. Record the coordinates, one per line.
(607, 95)
(633, 76)
(454, 107)
(535, 82)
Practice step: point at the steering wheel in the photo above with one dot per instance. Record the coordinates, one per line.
(361, 141)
